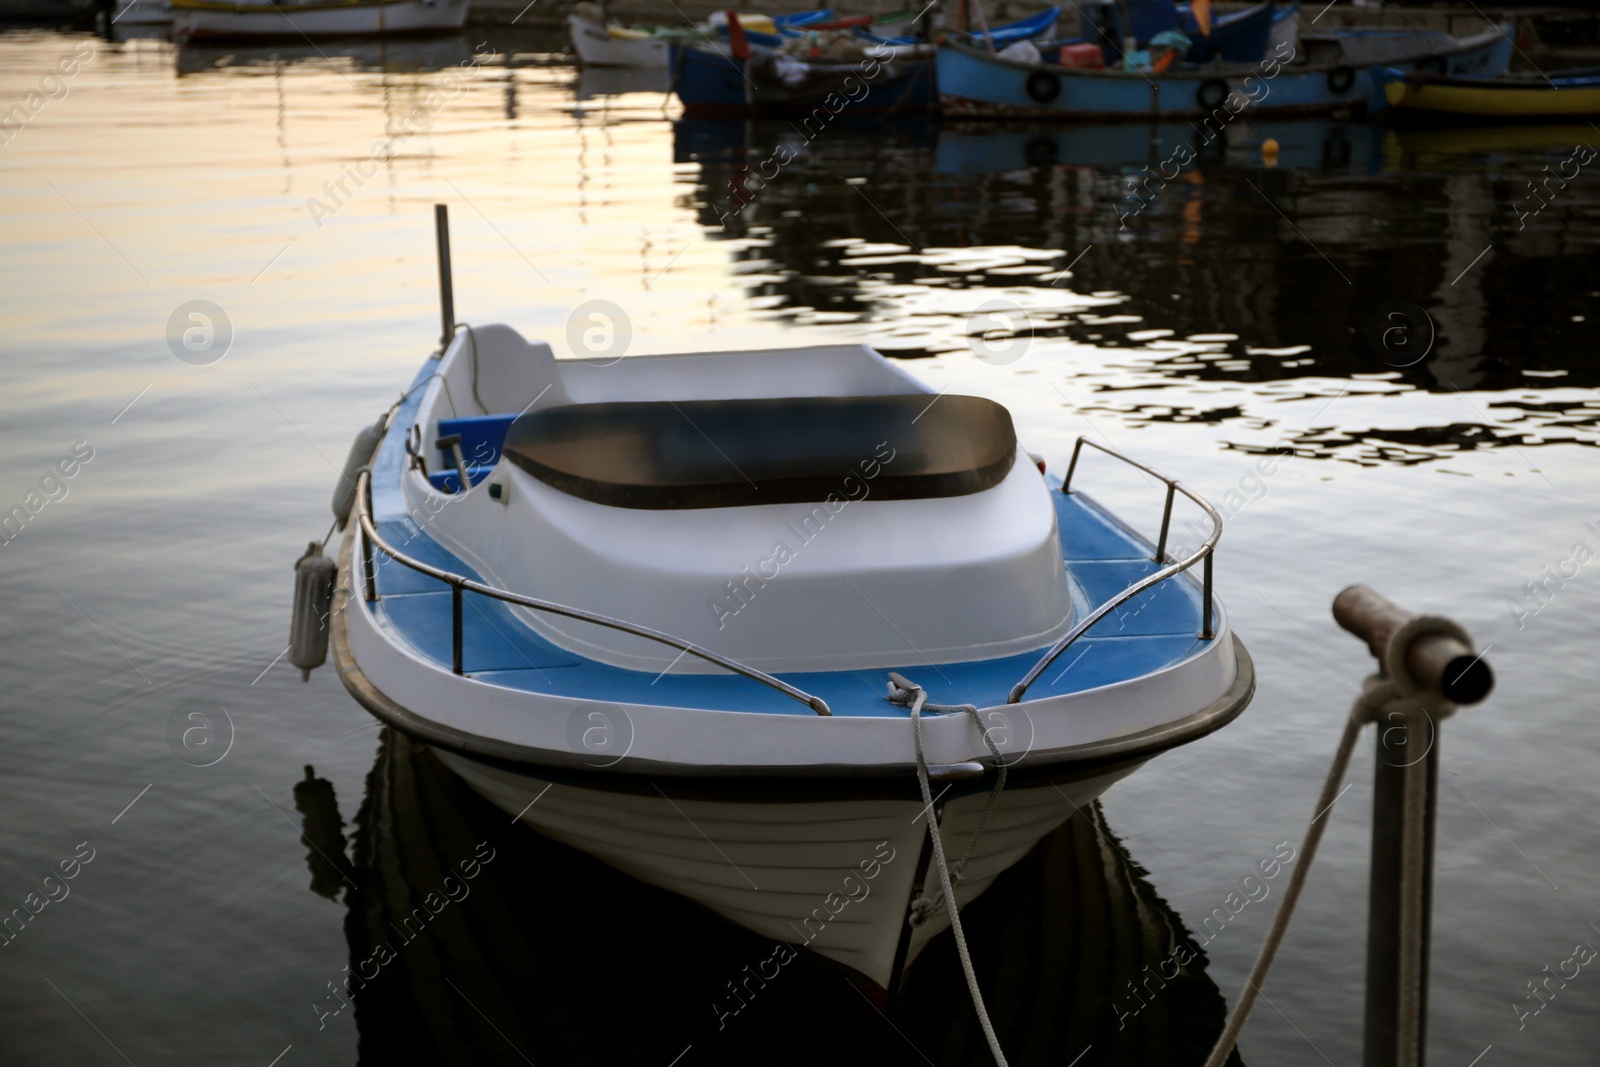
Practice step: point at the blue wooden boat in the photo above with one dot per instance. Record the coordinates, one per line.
(977, 82)
(713, 81)
(789, 26)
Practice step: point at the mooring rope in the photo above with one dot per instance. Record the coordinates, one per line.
(916, 697)
(1395, 692)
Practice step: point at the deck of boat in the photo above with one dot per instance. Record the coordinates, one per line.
(1157, 629)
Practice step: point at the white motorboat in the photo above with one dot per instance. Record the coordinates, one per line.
(298, 20)
(656, 608)
(598, 43)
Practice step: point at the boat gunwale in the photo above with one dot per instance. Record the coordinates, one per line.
(633, 774)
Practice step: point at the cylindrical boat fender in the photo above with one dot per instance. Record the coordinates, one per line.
(314, 576)
(361, 450)
(1340, 79)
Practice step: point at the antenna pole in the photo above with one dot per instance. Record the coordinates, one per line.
(447, 304)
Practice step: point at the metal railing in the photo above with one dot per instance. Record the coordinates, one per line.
(460, 584)
(1207, 630)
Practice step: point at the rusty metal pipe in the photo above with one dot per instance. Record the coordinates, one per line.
(1439, 662)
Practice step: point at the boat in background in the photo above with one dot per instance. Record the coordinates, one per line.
(1426, 96)
(599, 42)
(852, 77)
(142, 13)
(1238, 36)
(1326, 75)
(300, 20)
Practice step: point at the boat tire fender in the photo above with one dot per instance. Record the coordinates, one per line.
(1211, 94)
(1043, 86)
(1434, 65)
(1340, 79)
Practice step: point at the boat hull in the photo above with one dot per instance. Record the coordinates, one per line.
(713, 83)
(977, 83)
(835, 875)
(1491, 100)
(212, 22)
(596, 47)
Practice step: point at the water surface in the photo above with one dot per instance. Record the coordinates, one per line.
(1225, 323)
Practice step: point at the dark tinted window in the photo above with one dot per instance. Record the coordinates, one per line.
(727, 453)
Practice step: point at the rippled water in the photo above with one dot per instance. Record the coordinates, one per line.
(1227, 321)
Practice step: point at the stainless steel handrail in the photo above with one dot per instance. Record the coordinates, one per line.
(460, 583)
(1206, 551)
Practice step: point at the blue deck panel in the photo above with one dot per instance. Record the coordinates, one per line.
(1156, 629)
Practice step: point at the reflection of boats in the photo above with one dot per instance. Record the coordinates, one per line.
(752, 778)
(401, 55)
(1430, 96)
(987, 147)
(617, 81)
(539, 927)
(975, 81)
(195, 20)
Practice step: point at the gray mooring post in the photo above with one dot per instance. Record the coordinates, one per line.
(447, 303)
(1442, 671)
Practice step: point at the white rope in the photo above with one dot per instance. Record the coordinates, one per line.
(1360, 714)
(1397, 694)
(917, 698)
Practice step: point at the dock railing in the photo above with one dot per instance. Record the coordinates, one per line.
(1203, 556)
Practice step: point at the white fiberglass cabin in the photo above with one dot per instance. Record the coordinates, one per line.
(661, 620)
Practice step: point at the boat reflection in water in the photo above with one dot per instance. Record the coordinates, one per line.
(473, 940)
(1251, 265)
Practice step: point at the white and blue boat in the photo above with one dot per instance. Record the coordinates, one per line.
(1323, 74)
(655, 608)
(734, 80)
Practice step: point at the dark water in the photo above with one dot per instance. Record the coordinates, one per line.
(1229, 319)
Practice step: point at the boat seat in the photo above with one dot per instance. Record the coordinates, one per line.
(727, 453)
(481, 439)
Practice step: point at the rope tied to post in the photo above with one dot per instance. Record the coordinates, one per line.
(1394, 691)
(908, 694)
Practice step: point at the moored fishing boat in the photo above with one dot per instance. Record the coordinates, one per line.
(1428, 96)
(1317, 78)
(297, 20)
(736, 79)
(806, 545)
(599, 42)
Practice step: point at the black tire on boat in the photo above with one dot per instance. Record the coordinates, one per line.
(1211, 94)
(1340, 79)
(1434, 65)
(1043, 86)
